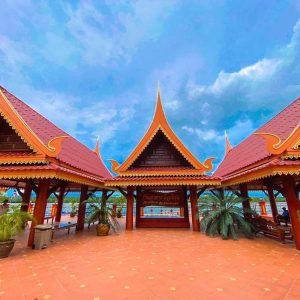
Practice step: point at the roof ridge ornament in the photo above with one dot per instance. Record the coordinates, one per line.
(97, 146)
(228, 146)
(275, 145)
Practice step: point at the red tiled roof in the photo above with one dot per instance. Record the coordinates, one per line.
(72, 153)
(253, 148)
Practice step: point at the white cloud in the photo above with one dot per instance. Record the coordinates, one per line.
(255, 90)
(105, 40)
(10, 54)
(84, 122)
(203, 134)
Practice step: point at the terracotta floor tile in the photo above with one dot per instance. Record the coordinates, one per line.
(151, 264)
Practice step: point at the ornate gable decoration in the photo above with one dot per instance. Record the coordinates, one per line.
(39, 151)
(160, 126)
(289, 148)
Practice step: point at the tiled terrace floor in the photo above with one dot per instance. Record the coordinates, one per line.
(151, 264)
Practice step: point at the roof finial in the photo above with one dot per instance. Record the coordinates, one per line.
(227, 144)
(97, 147)
(159, 107)
(158, 91)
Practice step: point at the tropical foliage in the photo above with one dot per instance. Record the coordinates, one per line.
(12, 222)
(74, 205)
(101, 213)
(224, 215)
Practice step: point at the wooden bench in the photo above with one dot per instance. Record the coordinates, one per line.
(62, 226)
(48, 217)
(272, 229)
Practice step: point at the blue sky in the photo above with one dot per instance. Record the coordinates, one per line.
(92, 67)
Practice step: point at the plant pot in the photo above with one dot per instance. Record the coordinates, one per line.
(6, 247)
(119, 215)
(102, 229)
(72, 214)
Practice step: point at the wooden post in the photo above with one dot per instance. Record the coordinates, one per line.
(26, 197)
(138, 207)
(186, 207)
(293, 203)
(246, 202)
(60, 202)
(129, 209)
(272, 202)
(81, 207)
(39, 208)
(181, 212)
(244, 194)
(194, 208)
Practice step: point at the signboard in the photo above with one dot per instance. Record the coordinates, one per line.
(173, 199)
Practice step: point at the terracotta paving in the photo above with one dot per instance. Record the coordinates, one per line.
(151, 264)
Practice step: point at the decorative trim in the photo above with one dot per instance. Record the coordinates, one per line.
(51, 174)
(262, 173)
(142, 173)
(275, 145)
(157, 182)
(22, 159)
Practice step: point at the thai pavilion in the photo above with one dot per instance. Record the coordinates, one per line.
(35, 155)
(161, 171)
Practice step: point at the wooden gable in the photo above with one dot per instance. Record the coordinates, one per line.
(9, 140)
(160, 153)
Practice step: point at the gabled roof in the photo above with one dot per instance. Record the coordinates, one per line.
(47, 140)
(277, 139)
(159, 124)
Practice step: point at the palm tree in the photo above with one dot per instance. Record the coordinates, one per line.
(224, 215)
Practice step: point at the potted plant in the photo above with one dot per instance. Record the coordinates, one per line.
(119, 212)
(74, 206)
(12, 222)
(104, 215)
(224, 215)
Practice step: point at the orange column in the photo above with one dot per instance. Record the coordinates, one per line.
(81, 207)
(60, 203)
(40, 207)
(26, 197)
(194, 208)
(293, 203)
(272, 202)
(262, 206)
(129, 209)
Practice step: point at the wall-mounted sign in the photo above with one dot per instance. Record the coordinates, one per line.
(173, 199)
